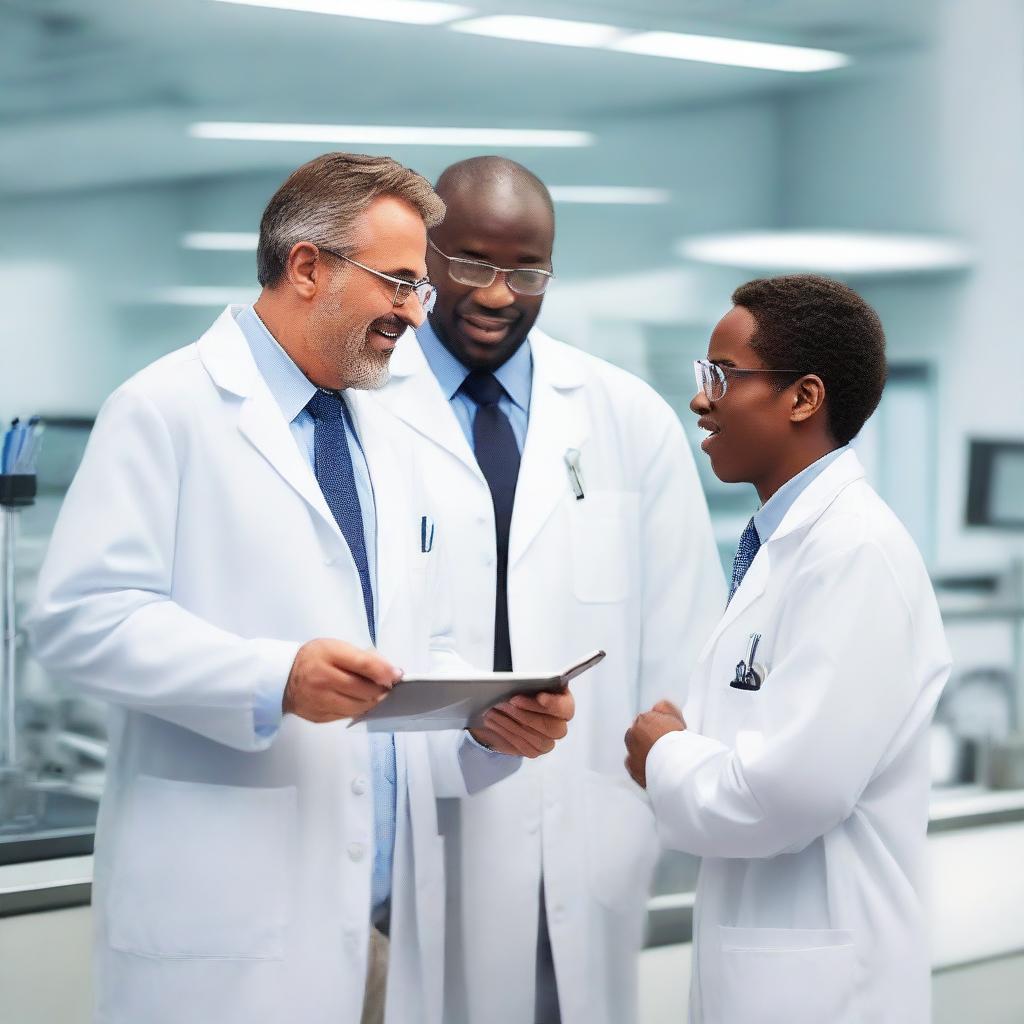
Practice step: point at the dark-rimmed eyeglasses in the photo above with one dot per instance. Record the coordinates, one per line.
(713, 379)
(522, 280)
(423, 289)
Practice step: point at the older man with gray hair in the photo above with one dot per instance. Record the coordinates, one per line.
(238, 570)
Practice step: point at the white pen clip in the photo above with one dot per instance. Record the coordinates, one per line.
(572, 461)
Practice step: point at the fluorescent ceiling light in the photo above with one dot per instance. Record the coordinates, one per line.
(707, 49)
(201, 295)
(834, 252)
(609, 194)
(411, 12)
(227, 241)
(735, 52)
(542, 30)
(246, 241)
(388, 135)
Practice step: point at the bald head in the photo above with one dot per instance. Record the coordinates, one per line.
(496, 175)
(501, 214)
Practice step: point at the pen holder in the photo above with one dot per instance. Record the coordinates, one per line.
(17, 490)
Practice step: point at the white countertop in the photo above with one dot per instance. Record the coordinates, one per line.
(945, 804)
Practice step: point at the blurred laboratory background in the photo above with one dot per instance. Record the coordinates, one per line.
(689, 145)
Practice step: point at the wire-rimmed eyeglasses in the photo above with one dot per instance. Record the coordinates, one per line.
(403, 289)
(522, 280)
(713, 379)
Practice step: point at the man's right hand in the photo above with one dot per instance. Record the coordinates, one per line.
(331, 679)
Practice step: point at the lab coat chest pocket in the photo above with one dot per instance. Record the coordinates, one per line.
(202, 871)
(603, 532)
(787, 976)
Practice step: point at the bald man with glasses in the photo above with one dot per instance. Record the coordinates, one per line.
(574, 520)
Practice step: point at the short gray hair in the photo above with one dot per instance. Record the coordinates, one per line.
(321, 201)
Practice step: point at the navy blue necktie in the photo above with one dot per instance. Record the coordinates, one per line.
(750, 544)
(497, 454)
(334, 474)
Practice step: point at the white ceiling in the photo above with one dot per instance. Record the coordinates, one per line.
(97, 92)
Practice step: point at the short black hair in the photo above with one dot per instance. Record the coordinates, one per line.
(817, 325)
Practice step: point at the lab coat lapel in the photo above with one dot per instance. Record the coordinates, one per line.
(809, 506)
(752, 587)
(228, 360)
(392, 510)
(415, 397)
(558, 421)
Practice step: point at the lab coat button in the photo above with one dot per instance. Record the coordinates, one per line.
(558, 914)
(487, 560)
(359, 785)
(356, 851)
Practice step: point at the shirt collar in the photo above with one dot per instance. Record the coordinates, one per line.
(291, 388)
(515, 375)
(768, 518)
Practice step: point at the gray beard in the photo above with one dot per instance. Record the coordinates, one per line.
(362, 368)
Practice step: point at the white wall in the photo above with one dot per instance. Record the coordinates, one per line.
(934, 144)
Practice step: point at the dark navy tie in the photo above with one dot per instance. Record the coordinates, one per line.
(498, 457)
(750, 544)
(334, 474)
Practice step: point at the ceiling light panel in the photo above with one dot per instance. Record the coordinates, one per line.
(611, 194)
(389, 135)
(199, 295)
(733, 52)
(542, 30)
(830, 252)
(221, 241)
(409, 12)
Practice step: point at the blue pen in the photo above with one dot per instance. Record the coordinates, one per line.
(5, 460)
(20, 434)
(29, 454)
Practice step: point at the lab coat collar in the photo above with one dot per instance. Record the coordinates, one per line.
(820, 493)
(228, 359)
(415, 397)
(558, 421)
(226, 354)
(807, 508)
(558, 364)
(558, 367)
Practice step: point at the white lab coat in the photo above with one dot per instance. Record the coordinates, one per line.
(193, 555)
(808, 798)
(630, 568)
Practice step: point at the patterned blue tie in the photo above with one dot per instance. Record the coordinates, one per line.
(497, 454)
(337, 480)
(750, 544)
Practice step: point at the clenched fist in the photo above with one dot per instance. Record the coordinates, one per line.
(331, 679)
(645, 731)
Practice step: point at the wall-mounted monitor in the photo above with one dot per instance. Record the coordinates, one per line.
(995, 484)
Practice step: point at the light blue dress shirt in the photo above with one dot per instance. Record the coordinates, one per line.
(515, 375)
(769, 517)
(481, 767)
(292, 390)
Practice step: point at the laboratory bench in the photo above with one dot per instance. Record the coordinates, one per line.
(962, 819)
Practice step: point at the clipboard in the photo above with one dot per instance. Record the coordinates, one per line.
(434, 702)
